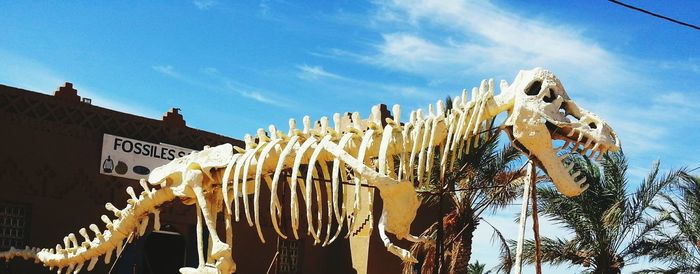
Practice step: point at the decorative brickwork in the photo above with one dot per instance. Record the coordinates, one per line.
(13, 225)
(289, 256)
(45, 113)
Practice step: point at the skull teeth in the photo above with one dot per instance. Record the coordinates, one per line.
(593, 152)
(569, 166)
(588, 149)
(584, 151)
(584, 186)
(579, 182)
(600, 155)
(576, 174)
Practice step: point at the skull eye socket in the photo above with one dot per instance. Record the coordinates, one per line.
(549, 97)
(534, 88)
(570, 117)
(592, 125)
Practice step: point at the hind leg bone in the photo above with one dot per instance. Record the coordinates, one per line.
(219, 248)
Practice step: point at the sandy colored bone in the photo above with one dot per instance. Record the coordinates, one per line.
(256, 198)
(274, 200)
(236, 176)
(225, 181)
(416, 136)
(427, 130)
(329, 202)
(309, 182)
(244, 184)
(387, 137)
(294, 204)
(343, 210)
(429, 152)
(536, 107)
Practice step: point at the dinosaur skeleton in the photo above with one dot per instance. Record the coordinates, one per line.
(391, 158)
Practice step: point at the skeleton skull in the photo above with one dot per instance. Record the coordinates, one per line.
(543, 112)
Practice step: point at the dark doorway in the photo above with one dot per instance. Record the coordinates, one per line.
(159, 252)
(165, 252)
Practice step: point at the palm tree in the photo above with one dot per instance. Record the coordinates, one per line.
(679, 248)
(609, 225)
(477, 268)
(479, 180)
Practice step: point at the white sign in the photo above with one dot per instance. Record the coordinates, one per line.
(134, 159)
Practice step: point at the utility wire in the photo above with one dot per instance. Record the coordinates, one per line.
(655, 14)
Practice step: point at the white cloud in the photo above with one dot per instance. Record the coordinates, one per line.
(29, 74)
(315, 72)
(204, 4)
(677, 100)
(170, 71)
(222, 83)
(444, 42)
(690, 65)
(480, 36)
(210, 71)
(165, 69)
(252, 93)
(264, 7)
(344, 83)
(33, 75)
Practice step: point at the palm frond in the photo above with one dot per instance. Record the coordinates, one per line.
(555, 251)
(612, 228)
(505, 255)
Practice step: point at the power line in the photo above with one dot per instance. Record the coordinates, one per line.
(655, 14)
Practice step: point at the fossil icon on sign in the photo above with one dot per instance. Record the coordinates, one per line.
(108, 165)
(141, 170)
(121, 168)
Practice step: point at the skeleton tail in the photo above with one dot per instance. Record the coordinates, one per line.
(130, 220)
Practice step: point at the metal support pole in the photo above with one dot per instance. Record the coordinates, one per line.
(535, 221)
(523, 221)
(439, 242)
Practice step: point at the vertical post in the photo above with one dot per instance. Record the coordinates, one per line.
(439, 242)
(535, 221)
(523, 220)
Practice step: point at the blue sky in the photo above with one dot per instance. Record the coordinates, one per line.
(233, 67)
